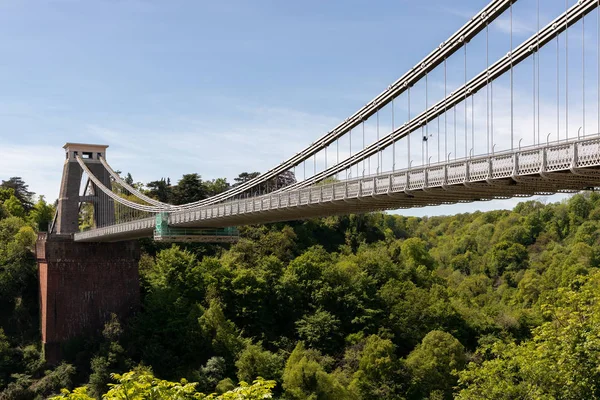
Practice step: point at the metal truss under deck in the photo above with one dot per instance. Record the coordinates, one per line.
(542, 170)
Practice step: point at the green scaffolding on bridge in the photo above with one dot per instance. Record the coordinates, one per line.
(165, 233)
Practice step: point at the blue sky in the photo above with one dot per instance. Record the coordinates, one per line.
(218, 88)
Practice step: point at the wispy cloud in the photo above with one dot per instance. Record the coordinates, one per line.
(519, 26)
(502, 24)
(265, 138)
(456, 11)
(39, 166)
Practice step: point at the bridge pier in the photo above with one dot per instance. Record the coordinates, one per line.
(81, 285)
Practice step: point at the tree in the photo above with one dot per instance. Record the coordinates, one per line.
(128, 179)
(161, 190)
(21, 191)
(506, 256)
(167, 334)
(189, 189)
(302, 278)
(254, 362)
(319, 330)
(42, 214)
(221, 332)
(216, 186)
(379, 374)
(174, 268)
(588, 232)
(141, 384)
(411, 312)
(282, 180)
(305, 378)
(5, 358)
(212, 373)
(6, 193)
(414, 253)
(579, 209)
(259, 390)
(245, 177)
(110, 359)
(518, 234)
(433, 363)
(100, 376)
(17, 264)
(561, 360)
(15, 207)
(53, 380)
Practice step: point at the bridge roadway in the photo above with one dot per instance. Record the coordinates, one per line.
(567, 166)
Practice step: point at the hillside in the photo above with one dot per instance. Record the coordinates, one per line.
(499, 305)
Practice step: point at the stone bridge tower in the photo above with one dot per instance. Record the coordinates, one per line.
(82, 284)
(69, 200)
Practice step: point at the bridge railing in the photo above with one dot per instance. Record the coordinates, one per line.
(577, 153)
(577, 163)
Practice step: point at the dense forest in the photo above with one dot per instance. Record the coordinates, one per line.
(495, 305)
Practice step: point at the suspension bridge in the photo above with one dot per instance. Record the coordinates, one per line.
(472, 121)
(348, 174)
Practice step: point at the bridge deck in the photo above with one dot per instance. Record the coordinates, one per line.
(558, 167)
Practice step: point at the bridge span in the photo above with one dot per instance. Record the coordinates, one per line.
(543, 170)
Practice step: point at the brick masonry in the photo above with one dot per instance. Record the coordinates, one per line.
(81, 284)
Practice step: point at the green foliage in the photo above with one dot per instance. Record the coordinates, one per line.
(500, 304)
(53, 380)
(6, 193)
(259, 390)
(507, 257)
(225, 385)
(254, 361)
(161, 190)
(380, 372)
(318, 329)
(174, 268)
(413, 311)
(216, 186)
(18, 278)
(433, 364)
(20, 190)
(579, 209)
(588, 233)
(100, 376)
(190, 188)
(222, 333)
(41, 215)
(14, 207)
(415, 254)
(5, 358)
(304, 377)
(245, 177)
(212, 373)
(141, 384)
(109, 359)
(562, 360)
(79, 393)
